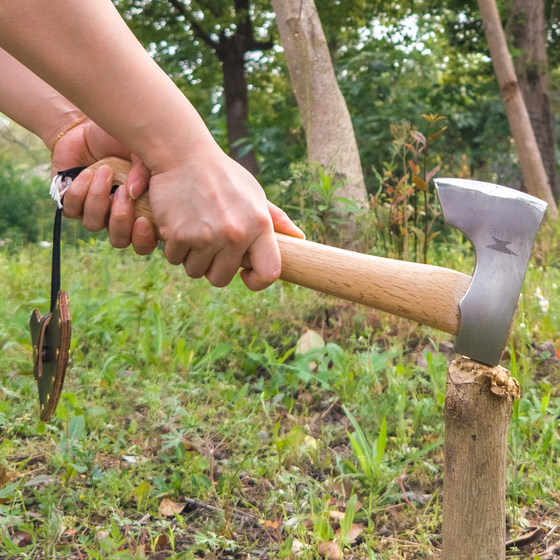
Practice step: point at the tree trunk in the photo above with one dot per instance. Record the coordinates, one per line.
(530, 162)
(328, 128)
(478, 407)
(529, 37)
(231, 50)
(232, 55)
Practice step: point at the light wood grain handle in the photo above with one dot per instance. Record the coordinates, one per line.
(426, 294)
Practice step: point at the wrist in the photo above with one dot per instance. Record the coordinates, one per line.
(64, 131)
(164, 138)
(58, 124)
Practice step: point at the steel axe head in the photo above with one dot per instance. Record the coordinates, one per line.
(502, 224)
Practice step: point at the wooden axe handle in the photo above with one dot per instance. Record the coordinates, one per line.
(426, 294)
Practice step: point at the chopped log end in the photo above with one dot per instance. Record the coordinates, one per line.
(502, 384)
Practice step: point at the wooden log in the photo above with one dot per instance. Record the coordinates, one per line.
(477, 411)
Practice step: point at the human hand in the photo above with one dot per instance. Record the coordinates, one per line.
(211, 212)
(89, 197)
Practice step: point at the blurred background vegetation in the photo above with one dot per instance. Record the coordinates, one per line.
(401, 69)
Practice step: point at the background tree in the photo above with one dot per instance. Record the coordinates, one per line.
(533, 33)
(531, 164)
(328, 128)
(528, 36)
(393, 63)
(178, 31)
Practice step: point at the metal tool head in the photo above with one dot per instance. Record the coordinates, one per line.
(501, 223)
(50, 336)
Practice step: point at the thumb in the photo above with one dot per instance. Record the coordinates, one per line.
(282, 222)
(138, 178)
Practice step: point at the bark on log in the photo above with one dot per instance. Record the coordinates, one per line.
(478, 408)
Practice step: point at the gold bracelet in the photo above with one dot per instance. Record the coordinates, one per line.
(73, 125)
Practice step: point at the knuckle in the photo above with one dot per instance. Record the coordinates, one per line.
(98, 196)
(221, 277)
(234, 233)
(203, 237)
(193, 272)
(172, 255)
(272, 275)
(262, 222)
(71, 213)
(219, 282)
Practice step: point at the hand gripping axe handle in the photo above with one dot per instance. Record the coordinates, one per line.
(500, 222)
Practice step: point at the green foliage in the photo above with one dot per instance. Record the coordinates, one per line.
(310, 198)
(405, 216)
(24, 205)
(385, 83)
(178, 389)
(369, 455)
(393, 63)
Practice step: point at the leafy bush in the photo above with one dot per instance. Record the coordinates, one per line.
(26, 208)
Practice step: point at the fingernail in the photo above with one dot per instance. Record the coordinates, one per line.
(299, 230)
(133, 187)
(120, 194)
(143, 226)
(105, 173)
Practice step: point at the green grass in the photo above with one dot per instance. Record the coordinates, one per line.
(181, 391)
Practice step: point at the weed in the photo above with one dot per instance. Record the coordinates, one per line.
(404, 211)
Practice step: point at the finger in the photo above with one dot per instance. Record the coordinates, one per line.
(144, 238)
(137, 179)
(96, 206)
(76, 195)
(265, 262)
(224, 267)
(121, 219)
(175, 251)
(199, 261)
(282, 222)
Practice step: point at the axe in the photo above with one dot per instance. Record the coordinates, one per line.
(501, 223)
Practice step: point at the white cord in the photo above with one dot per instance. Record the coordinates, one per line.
(59, 186)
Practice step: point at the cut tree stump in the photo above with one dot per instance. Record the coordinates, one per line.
(477, 413)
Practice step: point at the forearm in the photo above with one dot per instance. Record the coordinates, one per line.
(32, 103)
(66, 43)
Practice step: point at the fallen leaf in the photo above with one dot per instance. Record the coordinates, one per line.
(162, 543)
(309, 443)
(309, 340)
(41, 479)
(168, 508)
(526, 539)
(21, 539)
(336, 515)
(330, 550)
(133, 460)
(297, 546)
(353, 533)
(70, 532)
